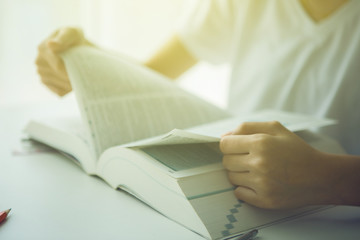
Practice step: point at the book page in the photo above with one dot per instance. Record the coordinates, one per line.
(122, 102)
(211, 132)
(293, 121)
(225, 216)
(176, 136)
(196, 147)
(212, 197)
(65, 134)
(179, 157)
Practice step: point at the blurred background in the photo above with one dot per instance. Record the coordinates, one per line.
(134, 27)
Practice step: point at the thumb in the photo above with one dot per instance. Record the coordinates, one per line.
(54, 45)
(65, 38)
(227, 134)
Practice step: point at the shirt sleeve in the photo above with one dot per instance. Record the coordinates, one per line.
(207, 29)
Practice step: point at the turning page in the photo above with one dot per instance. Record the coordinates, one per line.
(121, 101)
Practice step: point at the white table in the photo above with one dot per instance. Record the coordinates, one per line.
(52, 198)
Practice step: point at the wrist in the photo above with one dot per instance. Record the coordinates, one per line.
(341, 177)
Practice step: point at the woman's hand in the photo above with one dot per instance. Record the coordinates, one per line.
(274, 168)
(49, 64)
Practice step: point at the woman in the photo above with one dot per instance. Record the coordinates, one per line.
(294, 55)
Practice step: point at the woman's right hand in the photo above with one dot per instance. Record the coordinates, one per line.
(50, 66)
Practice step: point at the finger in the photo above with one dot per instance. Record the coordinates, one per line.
(236, 162)
(47, 58)
(56, 63)
(248, 128)
(247, 195)
(65, 38)
(59, 91)
(59, 87)
(56, 32)
(51, 79)
(44, 69)
(235, 144)
(43, 46)
(241, 179)
(55, 90)
(42, 63)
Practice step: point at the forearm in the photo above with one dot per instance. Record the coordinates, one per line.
(172, 59)
(344, 176)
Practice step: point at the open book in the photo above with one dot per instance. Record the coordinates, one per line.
(142, 133)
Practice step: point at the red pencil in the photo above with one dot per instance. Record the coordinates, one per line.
(4, 214)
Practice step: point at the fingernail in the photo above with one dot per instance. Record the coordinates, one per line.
(227, 134)
(53, 44)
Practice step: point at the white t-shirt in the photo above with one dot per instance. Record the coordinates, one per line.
(282, 59)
